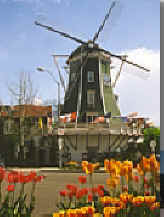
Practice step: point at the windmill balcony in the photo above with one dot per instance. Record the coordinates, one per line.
(96, 128)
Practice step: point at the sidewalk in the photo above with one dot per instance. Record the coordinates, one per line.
(50, 169)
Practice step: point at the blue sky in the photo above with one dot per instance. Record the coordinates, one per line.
(133, 28)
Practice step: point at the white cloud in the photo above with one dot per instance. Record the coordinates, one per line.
(137, 94)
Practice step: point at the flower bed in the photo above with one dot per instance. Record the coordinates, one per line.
(129, 191)
(14, 202)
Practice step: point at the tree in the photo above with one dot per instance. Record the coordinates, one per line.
(23, 93)
(152, 133)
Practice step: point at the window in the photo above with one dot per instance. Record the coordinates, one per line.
(91, 97)
(90, 76)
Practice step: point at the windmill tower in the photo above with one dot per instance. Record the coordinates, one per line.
(90, 93)
(90, 89)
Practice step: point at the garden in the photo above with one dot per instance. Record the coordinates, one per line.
(129, 190)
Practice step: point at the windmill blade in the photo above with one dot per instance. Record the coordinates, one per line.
(117, 75)
(122, 58)
(49, 28)
(60, 76)
(104, 21)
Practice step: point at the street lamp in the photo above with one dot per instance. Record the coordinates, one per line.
(41, 69)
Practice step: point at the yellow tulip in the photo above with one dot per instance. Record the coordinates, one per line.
(56, 214)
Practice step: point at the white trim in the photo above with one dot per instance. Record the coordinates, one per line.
(101, 84)
(79, 97)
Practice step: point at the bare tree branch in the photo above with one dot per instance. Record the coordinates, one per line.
(23, 92)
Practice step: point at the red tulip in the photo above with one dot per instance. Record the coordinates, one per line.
(10, 187)
(101, 193)
(2, 174)
(136, 178)
(145, 180)
(146, 186)
(21, 177)
(12, 177)
(82, 179)
(94, 190)
(100, 187)
(84, 191)
(63, 193)
(70, 194)
(147, 193)
(38, 178)
(90, 210)
(90, 198)
(72, 188)
(79, 194)
(32, 175)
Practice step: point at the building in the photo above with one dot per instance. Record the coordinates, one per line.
(91, 127)
(27, 129)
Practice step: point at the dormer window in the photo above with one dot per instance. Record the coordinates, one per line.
(91, 76)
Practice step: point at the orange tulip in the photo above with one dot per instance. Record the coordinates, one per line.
(124, 197)
(130, 198)
(149, 199)
(129, 165)
(107, 212)
(61, 213)
(113, 181)
(78, 212)
(113, 210)
(146, 164)
(155, 206)
(56, 214)
(106, 165)
(89, 167)
(123, 170)
(115, 201)
(137, 201)
(140, 171)
(105, 199)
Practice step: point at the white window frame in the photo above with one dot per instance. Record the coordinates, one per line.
(91, 76)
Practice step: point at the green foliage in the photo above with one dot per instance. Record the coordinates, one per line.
(152, 133)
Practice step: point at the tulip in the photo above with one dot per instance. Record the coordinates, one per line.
(2, 174)
(82, 179)
(137, 201)
(63, 193)
(90, 197)
(11, 187)
(149, 199)
(136, 178)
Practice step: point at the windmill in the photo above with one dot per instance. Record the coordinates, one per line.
(90, 91)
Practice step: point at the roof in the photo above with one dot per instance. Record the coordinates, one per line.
(28, 110)
(82, 48)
